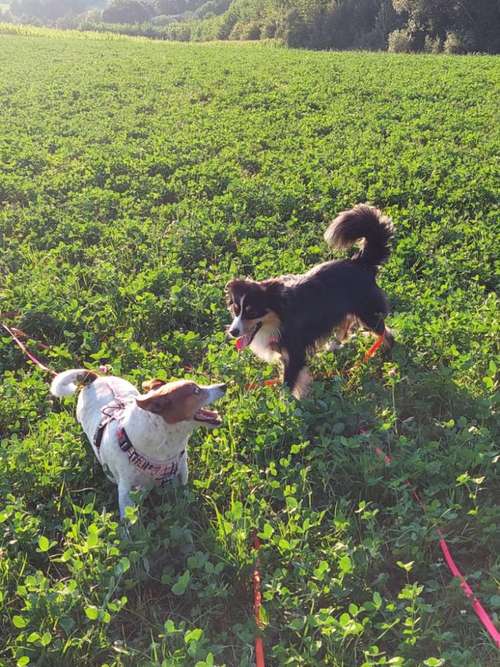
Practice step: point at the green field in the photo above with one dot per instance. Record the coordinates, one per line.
(136, 178)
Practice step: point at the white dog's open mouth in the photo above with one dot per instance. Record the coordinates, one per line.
(244, 341)
(210, 417)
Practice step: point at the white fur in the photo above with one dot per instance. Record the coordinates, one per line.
(261, 344)
(64, 384)
(149, 433)
(237, 323)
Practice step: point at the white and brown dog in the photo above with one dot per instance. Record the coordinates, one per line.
(139, 439)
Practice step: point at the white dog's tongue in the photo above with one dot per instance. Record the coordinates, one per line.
(242, 342)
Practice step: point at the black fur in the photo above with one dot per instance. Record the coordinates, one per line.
(311, 306)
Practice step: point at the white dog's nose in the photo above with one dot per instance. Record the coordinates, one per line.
(234, 332)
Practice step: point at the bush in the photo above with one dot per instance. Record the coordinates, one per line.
(161, 20)
(399, 41)
(269, 29)
(457, 43)
(294, 31)
(432, 44)
(251, 31)
(225, 29)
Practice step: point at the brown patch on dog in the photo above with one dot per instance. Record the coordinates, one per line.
(87, 378)
(150, 385)
(346, 327)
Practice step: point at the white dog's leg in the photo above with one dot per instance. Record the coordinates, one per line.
(183, 470)
(124, 499)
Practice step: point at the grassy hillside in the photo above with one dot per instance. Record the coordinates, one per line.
(136, 178)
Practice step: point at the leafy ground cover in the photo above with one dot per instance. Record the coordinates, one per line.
(137, 178)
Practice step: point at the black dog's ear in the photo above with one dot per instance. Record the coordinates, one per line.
(234, 288)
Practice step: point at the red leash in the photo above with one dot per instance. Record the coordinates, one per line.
(257, 603)
(27, 353)
(259, 645)
(371, 351)
(452, 566)
(257, 597)
(256, 579)
(479, 610)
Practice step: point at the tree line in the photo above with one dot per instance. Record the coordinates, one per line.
(451, 26)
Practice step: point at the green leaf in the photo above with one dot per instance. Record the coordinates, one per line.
(169, 626)
(46, 639)
(344, 619)
(407, 567)
(296, 624)
(181, 584)
(92, 612)
(67, 624)
(23, 661)
(321, 570)
(122, 566)
(267, 532)
(43, 543)
(193, 635)
(19, 621)
(434, 662)
(345, 564)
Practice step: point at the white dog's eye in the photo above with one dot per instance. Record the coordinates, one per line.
(196, 390)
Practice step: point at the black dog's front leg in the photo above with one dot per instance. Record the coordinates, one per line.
(294, 361)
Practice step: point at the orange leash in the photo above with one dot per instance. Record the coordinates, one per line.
(370, 352)
(257, 603)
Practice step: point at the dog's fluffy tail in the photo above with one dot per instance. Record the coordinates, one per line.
(362, 222)
(66, 383)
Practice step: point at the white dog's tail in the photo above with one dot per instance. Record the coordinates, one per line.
(66, 383)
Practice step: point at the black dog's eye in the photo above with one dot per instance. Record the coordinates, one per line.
(251, 313)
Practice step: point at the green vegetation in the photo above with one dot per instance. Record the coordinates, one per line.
(432, 26)
(136, 178)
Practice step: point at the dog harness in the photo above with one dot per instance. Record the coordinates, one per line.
(160, 472)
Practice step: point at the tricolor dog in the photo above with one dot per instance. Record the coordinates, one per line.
(139, 439)
(282, 319)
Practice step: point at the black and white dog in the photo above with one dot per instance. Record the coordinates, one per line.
(281, 319)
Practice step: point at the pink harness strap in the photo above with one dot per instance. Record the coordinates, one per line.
(161, 472)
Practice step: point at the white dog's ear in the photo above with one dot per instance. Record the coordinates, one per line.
(157, 403)
(150, 385)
